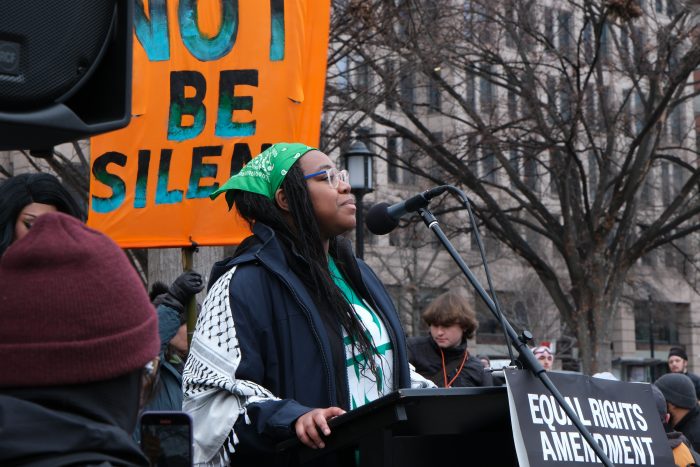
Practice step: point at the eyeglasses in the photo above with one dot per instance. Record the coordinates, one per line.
(334, 176)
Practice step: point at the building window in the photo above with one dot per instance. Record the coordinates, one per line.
(530, 172)
(511, 25)
(471, 91)
(489, 165)
(404, 25)
(639, 40)
(392, 159)
(490, 330)
(363, 77)
(342, 80)
(409, 157)
(678, 180)
(605, 40)
(434, 96)
(390, 85)
(486, 97)
(564, 33)
(676, 130)
(662, 318)
(435, 169)
(665, 183)
(588, 40)
(549, 26)
(407, 88)
(670, 7)
(624, 40)
(512, 105)
(514, 161)
(565, 102)
(592, 174)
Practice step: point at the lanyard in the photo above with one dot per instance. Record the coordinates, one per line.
(444, 370)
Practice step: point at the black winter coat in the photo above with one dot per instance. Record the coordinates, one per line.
(86, 424)
(690, 427)
(424, 354)
(285, 343)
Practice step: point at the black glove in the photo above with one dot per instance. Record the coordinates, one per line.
(182, 289)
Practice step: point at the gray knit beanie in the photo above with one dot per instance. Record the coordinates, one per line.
(678, 389)
(660, 402)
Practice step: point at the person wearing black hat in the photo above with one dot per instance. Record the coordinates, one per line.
(681, 405)
(678, 363)
(683, 453)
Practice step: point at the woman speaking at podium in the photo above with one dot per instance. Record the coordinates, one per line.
(294, 330)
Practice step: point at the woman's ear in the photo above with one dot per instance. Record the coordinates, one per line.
(281, 200)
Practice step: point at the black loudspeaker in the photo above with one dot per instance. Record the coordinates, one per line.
(65, 70)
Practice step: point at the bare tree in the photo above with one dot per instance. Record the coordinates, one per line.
(571, 124)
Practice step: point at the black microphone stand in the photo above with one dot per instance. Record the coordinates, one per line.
(526, 356)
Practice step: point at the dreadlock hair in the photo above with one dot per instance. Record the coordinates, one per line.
(305, 237)
(19, 191)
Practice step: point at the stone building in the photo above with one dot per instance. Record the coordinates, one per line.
(415, 98)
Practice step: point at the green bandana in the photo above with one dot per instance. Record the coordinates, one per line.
(264, 173)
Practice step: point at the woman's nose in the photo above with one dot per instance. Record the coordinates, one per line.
(343, 187)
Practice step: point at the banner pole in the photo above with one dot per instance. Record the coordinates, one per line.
(191, 308)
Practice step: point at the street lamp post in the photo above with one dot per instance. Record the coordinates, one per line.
(358, 162)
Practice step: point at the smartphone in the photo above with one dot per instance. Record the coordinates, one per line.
(166, 438)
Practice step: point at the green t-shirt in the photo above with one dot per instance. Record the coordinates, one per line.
(363, 386)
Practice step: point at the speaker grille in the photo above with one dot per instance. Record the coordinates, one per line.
(47, 47)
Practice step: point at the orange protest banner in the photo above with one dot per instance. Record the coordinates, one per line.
(214, 83)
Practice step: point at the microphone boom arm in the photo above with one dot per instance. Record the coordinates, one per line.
(525, 354)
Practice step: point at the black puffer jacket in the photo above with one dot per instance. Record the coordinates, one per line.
(424, 354)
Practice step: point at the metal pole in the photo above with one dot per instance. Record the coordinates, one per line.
(359, 227)
(651, 328)
(191, 308)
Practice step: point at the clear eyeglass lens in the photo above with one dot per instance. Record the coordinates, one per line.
(336, 176)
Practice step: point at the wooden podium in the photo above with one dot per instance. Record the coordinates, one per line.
(419, 427)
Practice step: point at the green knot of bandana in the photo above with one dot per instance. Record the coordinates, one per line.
(264, 173)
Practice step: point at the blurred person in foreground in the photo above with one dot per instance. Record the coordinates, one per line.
(76, 330)
(442, 356)
(25, 197)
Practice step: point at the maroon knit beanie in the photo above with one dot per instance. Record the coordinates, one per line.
(72, 308)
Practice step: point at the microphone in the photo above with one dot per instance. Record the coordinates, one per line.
(383, 218)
